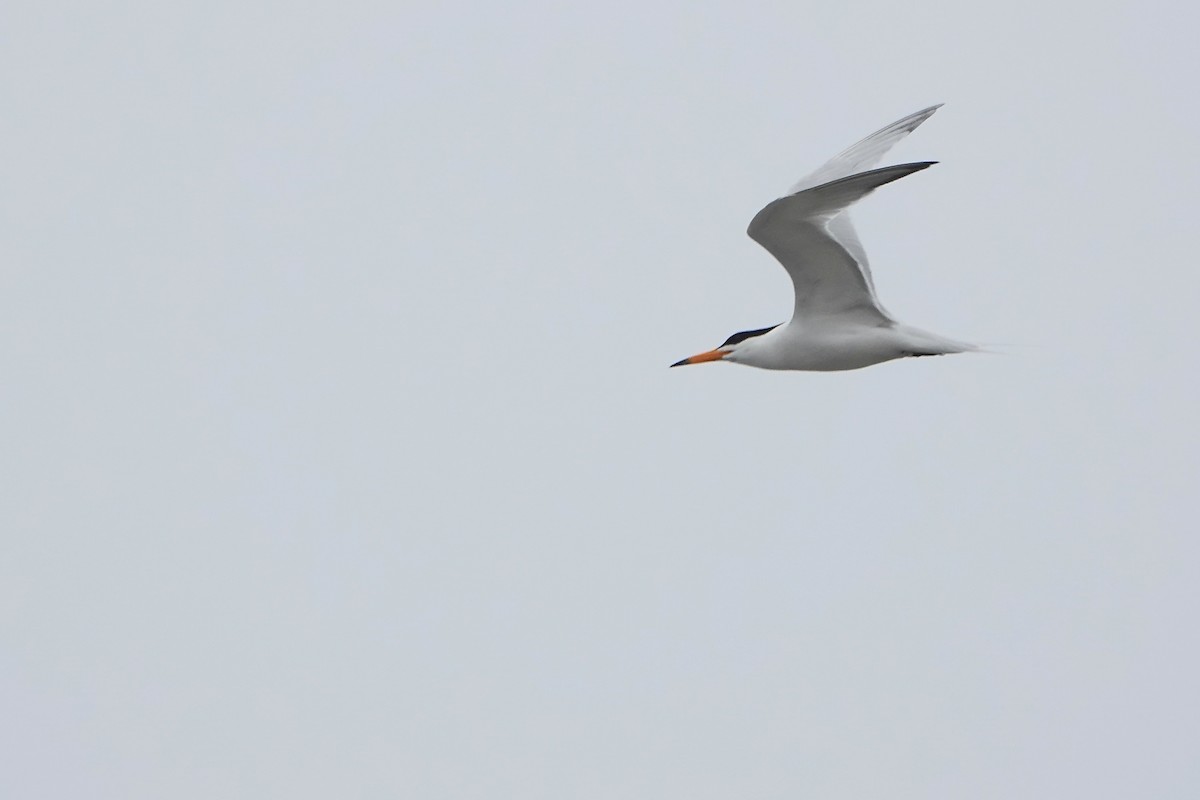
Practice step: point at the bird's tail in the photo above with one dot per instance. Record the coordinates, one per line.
(924, 343)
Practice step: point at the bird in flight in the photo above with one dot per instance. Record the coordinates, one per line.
(838, 323)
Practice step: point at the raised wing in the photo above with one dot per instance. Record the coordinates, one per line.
(862, 156)
(855, 159)
(827, 275)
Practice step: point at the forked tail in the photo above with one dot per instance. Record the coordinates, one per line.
(924, 343)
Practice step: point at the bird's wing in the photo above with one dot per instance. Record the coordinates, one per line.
(854, 159)
(865, 154)
(825, 270)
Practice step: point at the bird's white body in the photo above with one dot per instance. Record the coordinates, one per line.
(828, 345)
(838, 322)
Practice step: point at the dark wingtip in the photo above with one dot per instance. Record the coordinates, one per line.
(903, 170)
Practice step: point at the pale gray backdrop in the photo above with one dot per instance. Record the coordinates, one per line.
(341, 459)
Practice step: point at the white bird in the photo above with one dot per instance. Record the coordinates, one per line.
(838, 322)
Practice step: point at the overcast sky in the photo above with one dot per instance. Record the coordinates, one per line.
(341, 457)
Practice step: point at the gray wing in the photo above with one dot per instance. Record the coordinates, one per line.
(841, 228)
(826, 274)
(857, 158)
(863, 155)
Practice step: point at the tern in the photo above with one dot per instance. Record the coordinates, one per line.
(838, 322)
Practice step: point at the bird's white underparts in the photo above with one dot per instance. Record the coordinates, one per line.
(838, 322)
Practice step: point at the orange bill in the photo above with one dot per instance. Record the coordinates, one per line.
(711, 355)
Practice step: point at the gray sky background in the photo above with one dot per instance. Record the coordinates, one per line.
(341, 458)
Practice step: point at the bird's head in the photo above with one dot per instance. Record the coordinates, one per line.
(729, 349)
